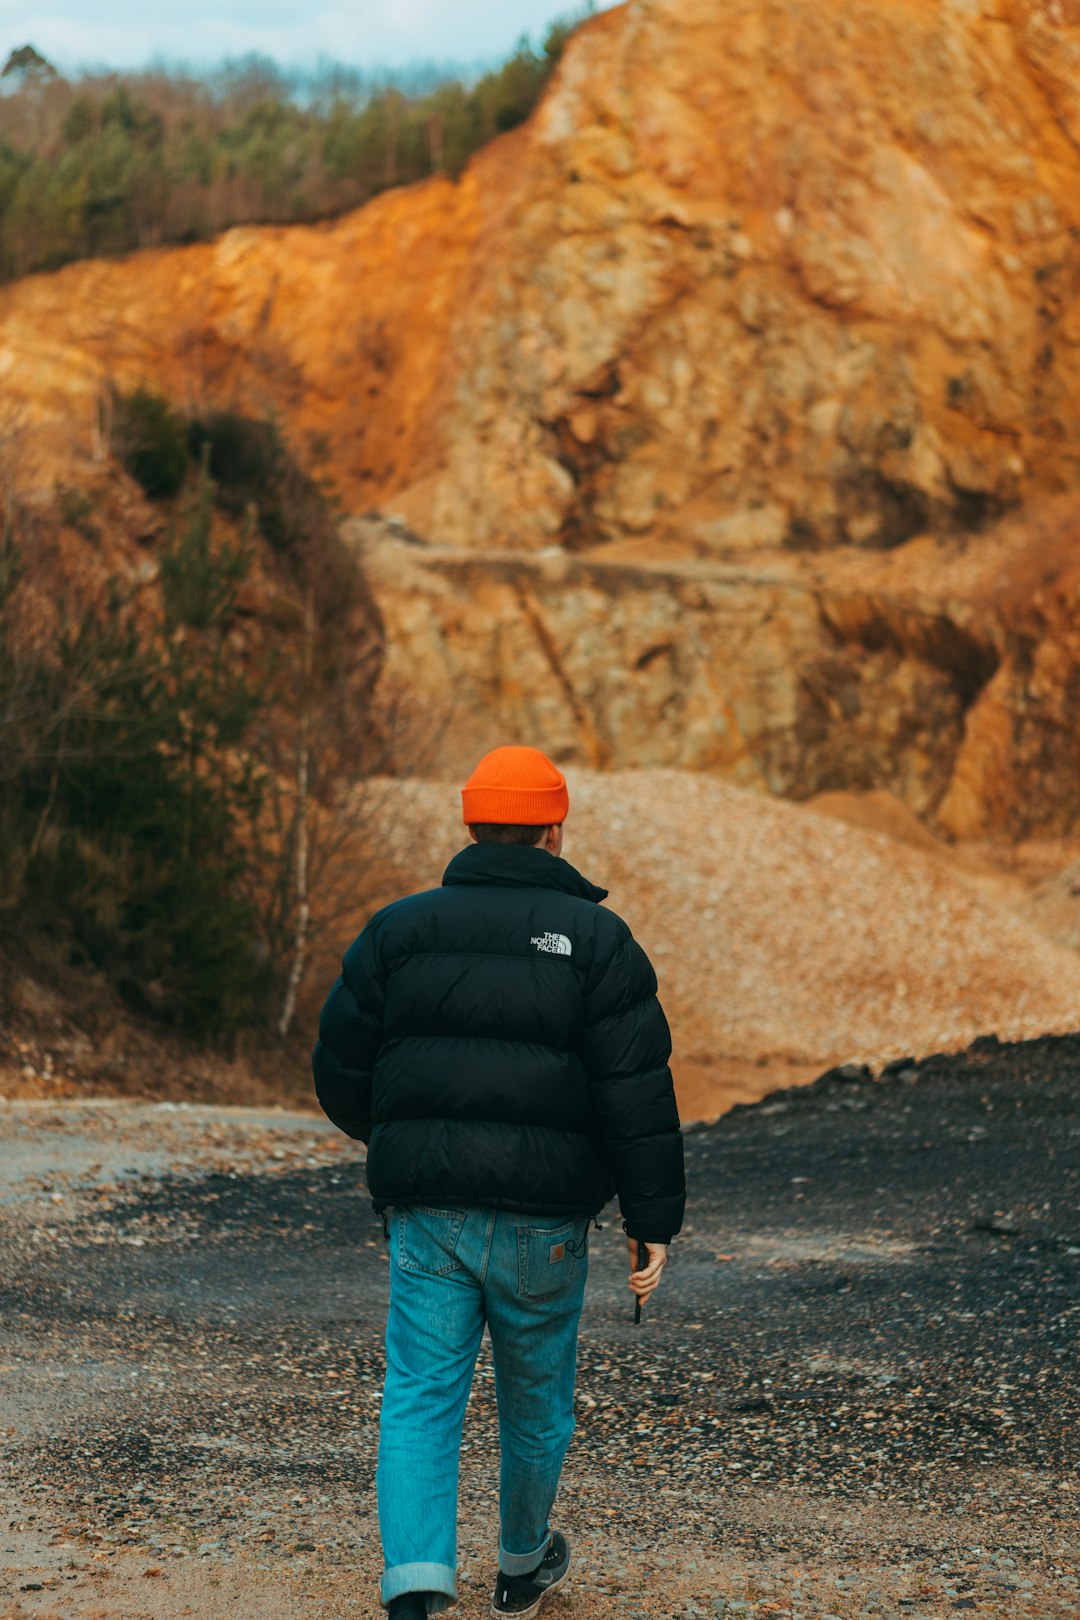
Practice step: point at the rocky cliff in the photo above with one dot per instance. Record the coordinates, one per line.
(647, 420)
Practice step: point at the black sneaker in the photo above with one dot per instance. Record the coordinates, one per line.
(522, 1595)
(412, 1606)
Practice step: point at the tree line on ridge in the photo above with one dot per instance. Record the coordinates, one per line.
(107, 163)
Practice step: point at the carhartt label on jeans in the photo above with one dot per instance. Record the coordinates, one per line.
(556, 1252)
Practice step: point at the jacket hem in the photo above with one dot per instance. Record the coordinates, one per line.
(533, 1206)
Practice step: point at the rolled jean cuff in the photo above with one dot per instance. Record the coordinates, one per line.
(438, 1579)
(522, 1563)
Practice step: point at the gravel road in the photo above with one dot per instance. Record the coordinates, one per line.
(857, 1393)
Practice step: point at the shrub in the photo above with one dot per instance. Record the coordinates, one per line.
(128, 791)
(245, 462)
(253, 471)
(151, 791)
(151, 442)
(77, 511)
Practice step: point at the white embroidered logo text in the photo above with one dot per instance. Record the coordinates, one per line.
(554, 944)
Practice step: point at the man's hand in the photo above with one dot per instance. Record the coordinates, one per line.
(643, 1282)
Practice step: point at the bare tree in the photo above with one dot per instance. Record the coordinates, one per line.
(301, 835)
(101, 422)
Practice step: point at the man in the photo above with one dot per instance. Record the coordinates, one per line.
(499, 1046)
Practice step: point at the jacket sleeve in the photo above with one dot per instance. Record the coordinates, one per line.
(350, 1034)
(625, 1050)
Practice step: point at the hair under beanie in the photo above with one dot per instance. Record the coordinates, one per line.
(515, 787)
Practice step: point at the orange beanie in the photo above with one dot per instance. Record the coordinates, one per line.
(516, 787)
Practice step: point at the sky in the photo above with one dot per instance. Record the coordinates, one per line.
(365, 33)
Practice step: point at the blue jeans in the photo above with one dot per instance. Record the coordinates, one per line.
(452, 1270)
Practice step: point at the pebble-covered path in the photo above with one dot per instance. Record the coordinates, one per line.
(857, 1393)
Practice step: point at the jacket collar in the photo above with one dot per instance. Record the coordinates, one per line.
(517, 864)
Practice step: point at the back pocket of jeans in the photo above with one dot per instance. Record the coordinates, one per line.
(549, 1257)
(427, 1239)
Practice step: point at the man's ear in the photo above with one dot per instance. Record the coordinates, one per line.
(473, 836)
(553, 839)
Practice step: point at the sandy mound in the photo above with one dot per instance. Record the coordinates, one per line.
(882, 812)
(878, 811)
(780, 936)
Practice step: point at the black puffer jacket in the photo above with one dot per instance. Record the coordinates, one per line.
(498, 1041)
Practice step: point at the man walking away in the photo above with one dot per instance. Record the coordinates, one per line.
(498, 1044)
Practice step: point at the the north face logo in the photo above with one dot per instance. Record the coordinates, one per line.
(554, 944)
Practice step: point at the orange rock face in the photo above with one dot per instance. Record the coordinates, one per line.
(760, 284)
(756, 270)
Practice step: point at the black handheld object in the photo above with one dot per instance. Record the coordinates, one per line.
(642, 1262)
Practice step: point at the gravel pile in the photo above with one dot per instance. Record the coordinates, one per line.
(777, 932)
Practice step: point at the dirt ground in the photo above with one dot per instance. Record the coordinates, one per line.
(856, 1395)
